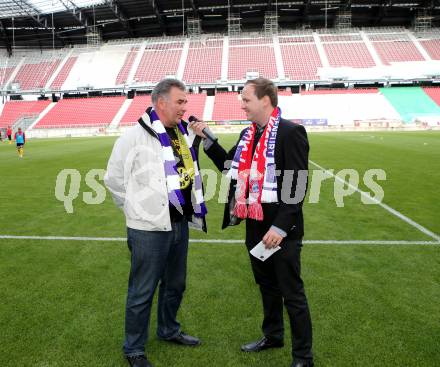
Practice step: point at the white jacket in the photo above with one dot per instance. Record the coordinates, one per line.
(136, 179)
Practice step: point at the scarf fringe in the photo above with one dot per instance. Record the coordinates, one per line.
(255, 211)
(241, 210)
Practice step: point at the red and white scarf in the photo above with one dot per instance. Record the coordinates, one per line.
(255, 174)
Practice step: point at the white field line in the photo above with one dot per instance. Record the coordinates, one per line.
(311, 242)
(384, 206)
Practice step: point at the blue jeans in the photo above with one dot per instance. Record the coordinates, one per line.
(155, 256)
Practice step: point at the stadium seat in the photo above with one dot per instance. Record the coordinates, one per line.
(136, 109)
(227, 107)
(251, 55)
(64, 72)
(204, 62)
(81, 112)
(159, 61)
(294, 55)
(432, 47)
(350, 54)
(195, 106)
(395, 49)
(15, 110)
(35, 75)
(125, 70)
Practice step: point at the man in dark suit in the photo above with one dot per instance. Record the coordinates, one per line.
(268, 167)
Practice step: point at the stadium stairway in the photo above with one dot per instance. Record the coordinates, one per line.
(209, 108)
(278, 58)
(225, 59)
(321, 51)
(42, 114)
(136, 62)
(182, 61)
(411, 102)
(118, 117)
(418, 45)
(13, 111)
(57, 70)
(15, 71)
(371, 49)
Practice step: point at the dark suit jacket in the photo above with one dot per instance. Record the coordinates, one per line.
(291, 153)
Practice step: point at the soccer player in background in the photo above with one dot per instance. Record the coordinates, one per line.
(9, 134)
(20, 140)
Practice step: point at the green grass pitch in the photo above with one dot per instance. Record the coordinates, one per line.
(62, 301)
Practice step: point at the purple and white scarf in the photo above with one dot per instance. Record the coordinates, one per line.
(175, 196)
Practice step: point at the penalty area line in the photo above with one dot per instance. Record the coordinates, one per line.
(384, 206)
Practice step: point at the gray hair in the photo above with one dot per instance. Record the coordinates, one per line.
(162, 89)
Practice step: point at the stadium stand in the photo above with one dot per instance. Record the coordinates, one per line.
(301, 56)
(34, 75)
(411, 102)
(158, 61)
(5, 74)
(13, 111)
(136, 109)
(294, 54)
(304, 57)
(339, 109)
(7, 67)
(432, 47)
(64, 72)
(196, 105)
(227, 107)
(395, 47)
(434, 94)
(204, 62)
(352, 54)
(255, 55)
(97, 68)
(81, 112)
(125, 70)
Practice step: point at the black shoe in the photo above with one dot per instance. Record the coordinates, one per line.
(139, 361)
(262, 344)
(184, 339)
(302, 364)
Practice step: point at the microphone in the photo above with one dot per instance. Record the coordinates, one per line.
(208, 133)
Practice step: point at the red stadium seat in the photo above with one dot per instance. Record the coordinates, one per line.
(14, 110)
(64, 72)
(227, 107)
(82, 112)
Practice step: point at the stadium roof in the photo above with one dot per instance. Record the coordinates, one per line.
(28, 23)
(20, 8)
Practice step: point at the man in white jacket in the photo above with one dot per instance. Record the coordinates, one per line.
(153, 176)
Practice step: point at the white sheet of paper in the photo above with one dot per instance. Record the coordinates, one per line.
(262, 253)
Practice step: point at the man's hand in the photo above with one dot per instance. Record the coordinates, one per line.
(272, 239)
(197, 127)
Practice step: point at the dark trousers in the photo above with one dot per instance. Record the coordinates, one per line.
(155, 257)
(279, 278)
